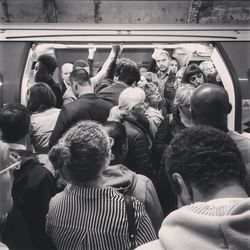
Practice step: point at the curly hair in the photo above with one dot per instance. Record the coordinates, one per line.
(205, 157)
(14, 122)
(81, 153)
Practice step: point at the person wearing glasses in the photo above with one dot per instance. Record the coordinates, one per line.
(33, 184)
(194, 75)
(87, 214)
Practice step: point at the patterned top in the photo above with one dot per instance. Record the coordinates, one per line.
(94, 218)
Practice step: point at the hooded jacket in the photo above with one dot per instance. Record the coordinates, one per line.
(216, 224)
(139, 186)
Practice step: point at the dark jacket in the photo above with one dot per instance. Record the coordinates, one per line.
(139, 149)
(170, 126)
(33, 187)
(56, 88)
(112, 92)
(15, 232)
(86, 107)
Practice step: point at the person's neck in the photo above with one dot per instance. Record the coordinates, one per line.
(232, 190)
(83, 90)
(97, 183)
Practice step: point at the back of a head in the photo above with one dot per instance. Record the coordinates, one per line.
(49, 62)
(14, 122)
(152, 78)
(127, 71)
(41, 98)
(210, 105)
(80, 76)
(117, 131)
(82, 152)
(183, 95)
(130, 97)
(206, 158)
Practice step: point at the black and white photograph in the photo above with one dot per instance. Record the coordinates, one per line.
(124, 124)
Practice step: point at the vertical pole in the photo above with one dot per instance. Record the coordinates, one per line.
(194, 11)
(6, 10)
(50, 11)
(97, 4)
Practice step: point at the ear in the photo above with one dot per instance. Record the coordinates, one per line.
(229, 108)
(184, 195)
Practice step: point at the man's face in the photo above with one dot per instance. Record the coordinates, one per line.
(66, 70)
(41, 73)
(162, 62)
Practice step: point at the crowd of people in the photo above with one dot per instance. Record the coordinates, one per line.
(98, 161)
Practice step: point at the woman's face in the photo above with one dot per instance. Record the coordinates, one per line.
(196, 80)
(173, 66)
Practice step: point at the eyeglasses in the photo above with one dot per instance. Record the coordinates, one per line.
(13, 157)
(194, 77)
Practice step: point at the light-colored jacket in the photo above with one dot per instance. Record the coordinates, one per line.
(139, 186)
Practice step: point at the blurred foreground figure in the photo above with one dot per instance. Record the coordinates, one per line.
(207, 174)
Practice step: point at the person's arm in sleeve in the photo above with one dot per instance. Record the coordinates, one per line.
(114, 53)
(91, 60)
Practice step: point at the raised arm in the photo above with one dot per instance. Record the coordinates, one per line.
(114, 53)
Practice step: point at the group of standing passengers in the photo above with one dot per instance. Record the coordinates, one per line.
(90, 150)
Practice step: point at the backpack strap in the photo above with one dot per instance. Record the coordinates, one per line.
(131, 220)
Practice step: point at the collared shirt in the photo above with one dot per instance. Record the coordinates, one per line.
(94, 218)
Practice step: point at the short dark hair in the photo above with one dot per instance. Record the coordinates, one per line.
(49, 62)
(127, 71)
(117, 131)
(81, 76)
(41, 98)
(192, 69)
(14, 122)
(205, 157)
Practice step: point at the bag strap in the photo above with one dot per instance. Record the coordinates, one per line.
(131, 220)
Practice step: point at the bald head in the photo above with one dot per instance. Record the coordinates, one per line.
(210, 105)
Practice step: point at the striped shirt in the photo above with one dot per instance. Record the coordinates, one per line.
(94, 218)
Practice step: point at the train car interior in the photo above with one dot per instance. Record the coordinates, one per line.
(227, 52)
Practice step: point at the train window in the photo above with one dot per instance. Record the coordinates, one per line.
(186, 53)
